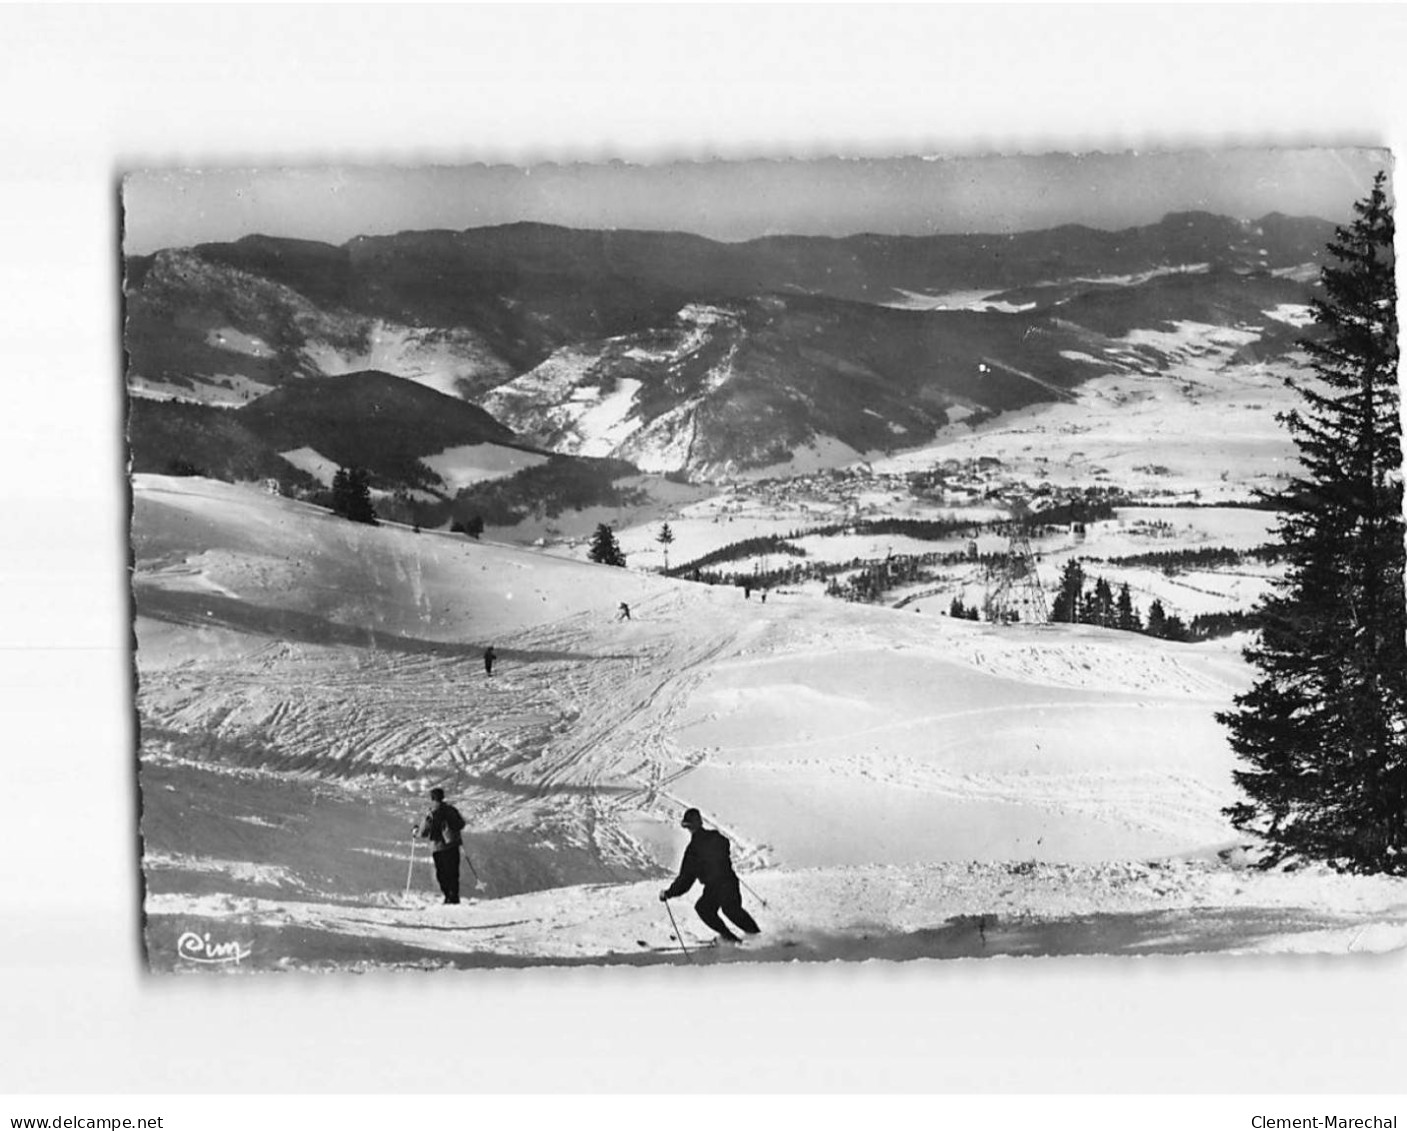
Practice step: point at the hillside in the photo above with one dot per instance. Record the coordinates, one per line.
(726, 388)
(884, 777)
(431, 458)
(677, 353)
(372, 420)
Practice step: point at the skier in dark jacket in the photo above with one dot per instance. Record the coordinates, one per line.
(489, 657)
(442, 827)
(708, 859)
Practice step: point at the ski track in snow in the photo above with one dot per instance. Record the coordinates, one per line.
(953, 910)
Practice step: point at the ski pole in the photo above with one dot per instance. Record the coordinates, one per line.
(478, 883)
(409, 868)
(752, 893)
(677, 936)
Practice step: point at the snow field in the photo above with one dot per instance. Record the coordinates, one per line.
(894, 913)
(881, 775)
(439, 359)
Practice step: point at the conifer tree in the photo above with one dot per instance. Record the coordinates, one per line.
(1322, 735)
(664, 538)
(604, 547)
(351, 495)
(1066, 609)
(1127, 615)
(1103, 612)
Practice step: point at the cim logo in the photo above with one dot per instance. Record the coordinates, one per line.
(195, 947)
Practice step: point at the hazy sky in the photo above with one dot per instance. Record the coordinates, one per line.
(741, 200)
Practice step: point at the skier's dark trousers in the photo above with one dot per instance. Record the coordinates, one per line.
(708, 859)
(442, 827)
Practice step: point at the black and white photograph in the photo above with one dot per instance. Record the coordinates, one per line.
(766, 561)
(577, 561)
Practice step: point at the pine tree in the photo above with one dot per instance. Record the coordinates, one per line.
(1322, 735)
(351, 495)
(604, 548)
(340, 492)
(1066, 609)
(1089, 604)
(1157, 619)
(1127, 616)
(664, 538)
(1103, 604)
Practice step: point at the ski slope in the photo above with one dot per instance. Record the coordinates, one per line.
(303, 681)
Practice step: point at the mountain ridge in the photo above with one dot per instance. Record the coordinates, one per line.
(872, 341)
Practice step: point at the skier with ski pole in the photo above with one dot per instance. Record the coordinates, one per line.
(708, 860)
(442, 827)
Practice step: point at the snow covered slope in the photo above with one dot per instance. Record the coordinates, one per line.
(1014, 909)
(277, 644)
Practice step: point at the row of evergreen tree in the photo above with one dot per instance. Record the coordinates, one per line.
(1199, 557)
(1082, 600)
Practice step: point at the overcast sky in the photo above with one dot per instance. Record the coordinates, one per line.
(742, 200)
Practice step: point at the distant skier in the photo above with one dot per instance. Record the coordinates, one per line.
(442, 827)
(708, 859)
(624, 612)
(489, 657)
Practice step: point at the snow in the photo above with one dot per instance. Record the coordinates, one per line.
(440, 359)
(698, 319)
(958, 910)
(468, 464)
(950, 300)
(605, 420)
(1293, 314)
(821, 453)
(569, 408)
(235, 869)
(228, 338)
(1144, 276)
(885, 778)
(1203, 426)
(664, 443)
(314, 463)
(225, 390)
(562, 399)
(981, 299)
(1186, 335)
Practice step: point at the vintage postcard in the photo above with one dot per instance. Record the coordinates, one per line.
(766, 561)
